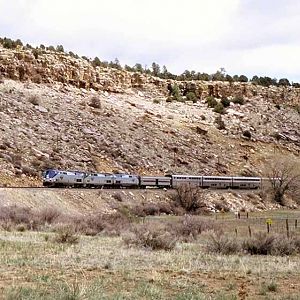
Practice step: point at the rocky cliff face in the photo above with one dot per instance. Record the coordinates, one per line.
(50, 67)
(59, 111)
(47, 66)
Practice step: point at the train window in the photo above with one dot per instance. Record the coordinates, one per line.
(108, 181)
(78, 180)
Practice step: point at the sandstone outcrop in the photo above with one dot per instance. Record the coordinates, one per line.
(50, 66)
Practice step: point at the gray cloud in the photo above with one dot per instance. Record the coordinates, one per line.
(245, 37)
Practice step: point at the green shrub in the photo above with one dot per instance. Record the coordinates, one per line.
(60, 48)
(191, 96)
(225, 101)
(50, 48)
(9, 43)
(219, 108)
(156, 101)
(211, 101)
(175, 92)
(238, 100)
(220, 123)
(36, 53)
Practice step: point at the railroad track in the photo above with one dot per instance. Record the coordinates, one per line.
(119, 189)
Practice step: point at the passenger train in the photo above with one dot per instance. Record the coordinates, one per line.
(59, 178)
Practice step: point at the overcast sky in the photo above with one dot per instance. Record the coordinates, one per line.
(251, 37)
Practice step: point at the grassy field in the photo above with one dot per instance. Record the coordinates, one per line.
(34, 266)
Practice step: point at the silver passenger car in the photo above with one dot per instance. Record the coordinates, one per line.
(155, 181)
(246, 182)
(217, 182)
(178, 180)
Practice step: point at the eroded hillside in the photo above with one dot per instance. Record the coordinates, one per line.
(58, 111)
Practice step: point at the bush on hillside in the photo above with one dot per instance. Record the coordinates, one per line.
(188, 228)
(150, 235)
(211, 101)
(95, 102)
(222, 244)
(175, 92)
(220, 123)
(191, 96)
(153, 209)
(110, 224)
(260, 244)
(66, 235)
(189, 198)
(238, 100)
(219, 108)
(225, 101)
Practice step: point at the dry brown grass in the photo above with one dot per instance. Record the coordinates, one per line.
(259, 244)
(110, 224)
(271, 244)
(155, 209)
(107, 267)
(222, 244)
(29, 171)
(188, 228)
(48, 215)
(151, 235)
(164, 234)
(13, 216)
(66, 235)
(118, 197)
